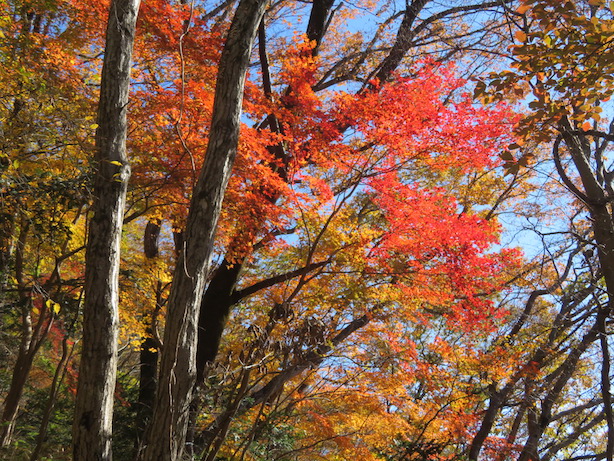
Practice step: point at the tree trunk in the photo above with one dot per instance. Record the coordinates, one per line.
(166, 434)
(7, 220)
(97, 370)
(149, 348)
(216, 304)
(13, 397)
(32, 337)
(23, 362)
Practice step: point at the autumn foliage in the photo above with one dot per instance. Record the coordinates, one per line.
(369, 296)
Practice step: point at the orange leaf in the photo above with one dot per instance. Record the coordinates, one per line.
(522, 9)
(520, 36)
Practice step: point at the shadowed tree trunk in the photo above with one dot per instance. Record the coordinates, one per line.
(25, 353)
(97, 370)
(149, 347)
(33, 334)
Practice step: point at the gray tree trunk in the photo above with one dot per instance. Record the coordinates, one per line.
(97, 369)
(165, 437)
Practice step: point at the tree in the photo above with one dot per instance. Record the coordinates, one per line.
(567, 103)
(362, 66)
(355, 271)
(362, 302)
(166, 434)
(92, 428)
(39, 204)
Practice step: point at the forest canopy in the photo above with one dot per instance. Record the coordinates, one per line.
(306, 230)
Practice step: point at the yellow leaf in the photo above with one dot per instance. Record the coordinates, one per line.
(56, 308)
(93, 126)
(35, 310)
(115, 162)
(520, 36)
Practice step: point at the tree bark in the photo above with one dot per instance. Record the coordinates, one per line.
(97, 370)
(165, 437)
(149, 348)
(216, 304)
